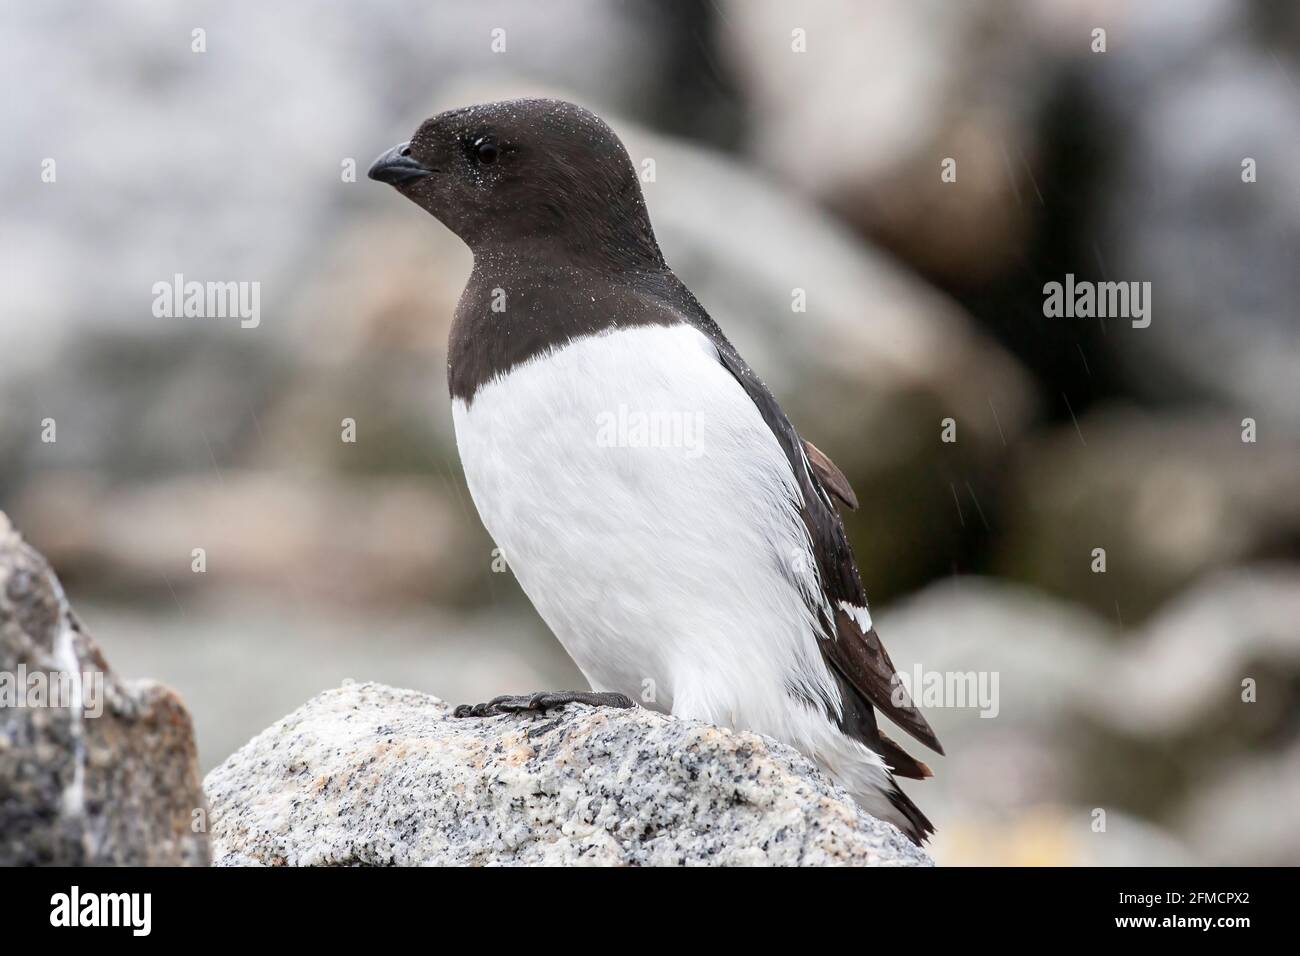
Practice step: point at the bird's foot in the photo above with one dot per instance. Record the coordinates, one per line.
(542, 700)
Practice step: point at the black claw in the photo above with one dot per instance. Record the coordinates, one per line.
(540, 701)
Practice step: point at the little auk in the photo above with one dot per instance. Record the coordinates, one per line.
(650, 495)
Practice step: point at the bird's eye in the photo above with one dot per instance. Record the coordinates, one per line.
(486, 151)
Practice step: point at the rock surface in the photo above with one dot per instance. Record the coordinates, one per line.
(367, 774)
(112, 783)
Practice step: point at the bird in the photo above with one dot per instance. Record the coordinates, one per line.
(652, 499)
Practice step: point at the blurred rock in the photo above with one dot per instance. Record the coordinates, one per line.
(316, 536)
(1243, 814)
(1188, 94)
(884, 93)
(1029, 767)
(1182, 677)
(101, 771)
(367, 774)
(1187, 682)
(1049, 659)
(132, 405)
(148, 185)
(1152, 726)
(1052, 835)
(1168, 498)
(373, 318)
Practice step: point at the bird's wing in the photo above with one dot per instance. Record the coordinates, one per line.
(829, 474)
(854, 652)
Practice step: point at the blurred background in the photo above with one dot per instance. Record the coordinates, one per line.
(775, 169)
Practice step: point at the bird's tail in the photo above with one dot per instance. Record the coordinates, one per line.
(914, 823)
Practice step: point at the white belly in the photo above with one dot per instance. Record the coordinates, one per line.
(651, 517)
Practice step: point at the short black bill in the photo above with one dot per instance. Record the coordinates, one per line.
(397, 166)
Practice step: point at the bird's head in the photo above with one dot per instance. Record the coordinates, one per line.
(539, 172)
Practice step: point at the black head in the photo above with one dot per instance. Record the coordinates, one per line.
(544, 173)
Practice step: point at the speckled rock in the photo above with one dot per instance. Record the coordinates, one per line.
(102, 772)
(368, 774)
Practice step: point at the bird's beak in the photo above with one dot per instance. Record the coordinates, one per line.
(397, 167)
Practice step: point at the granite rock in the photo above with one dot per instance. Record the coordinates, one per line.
(101, 772)
(366, 774)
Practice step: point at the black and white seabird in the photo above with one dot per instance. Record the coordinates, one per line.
(708, 576)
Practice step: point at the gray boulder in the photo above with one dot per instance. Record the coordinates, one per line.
(93, 770)
(368, 774)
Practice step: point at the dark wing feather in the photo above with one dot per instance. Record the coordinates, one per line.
(830, 475)
(858, 720)
(902, 763)
(866, 661)
(858, 658)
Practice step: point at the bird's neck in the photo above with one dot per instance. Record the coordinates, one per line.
(610, 245)
(522, 302)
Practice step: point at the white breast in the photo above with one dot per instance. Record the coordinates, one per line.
(650, 515)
